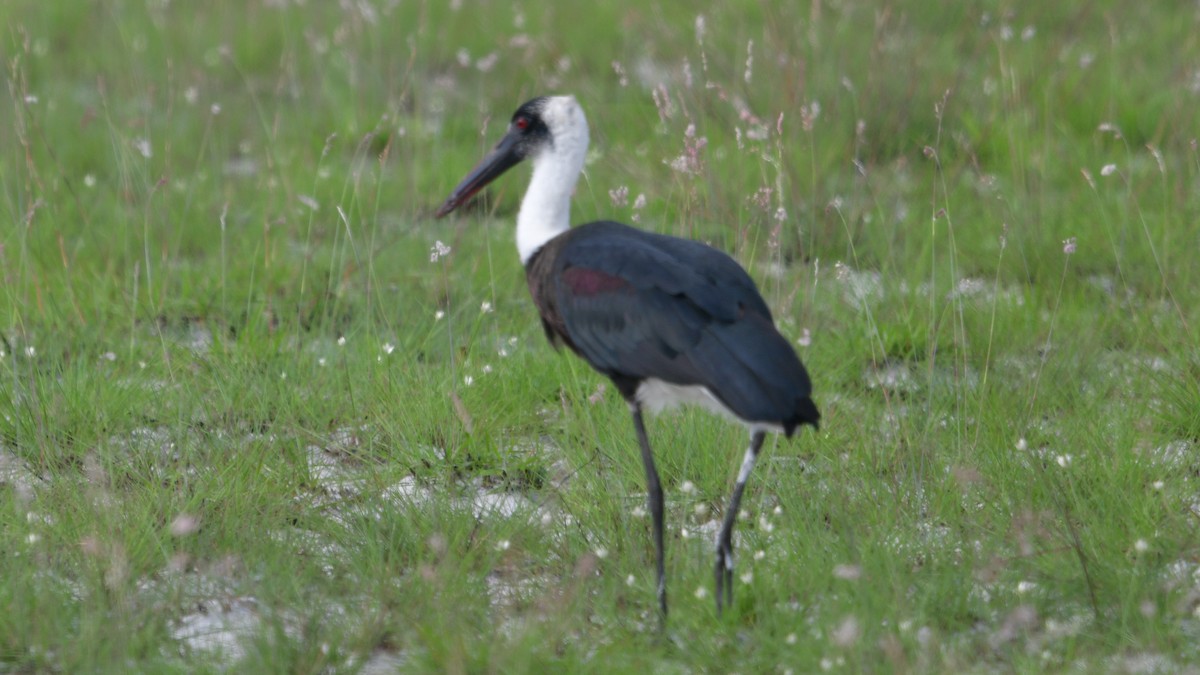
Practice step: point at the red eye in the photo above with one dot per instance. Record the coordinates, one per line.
(522, 123)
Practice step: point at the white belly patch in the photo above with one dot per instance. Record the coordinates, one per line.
(657, 396)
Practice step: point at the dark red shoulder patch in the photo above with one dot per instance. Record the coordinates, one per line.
(585, 281)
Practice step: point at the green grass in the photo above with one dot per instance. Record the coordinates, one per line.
(247, 424)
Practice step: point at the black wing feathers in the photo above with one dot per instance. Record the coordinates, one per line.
(639, 305)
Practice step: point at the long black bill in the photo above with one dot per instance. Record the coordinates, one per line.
(502, 158)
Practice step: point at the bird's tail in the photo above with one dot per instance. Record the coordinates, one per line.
(806, 413)
(757, 374)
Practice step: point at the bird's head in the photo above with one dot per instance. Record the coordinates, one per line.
(547, 124)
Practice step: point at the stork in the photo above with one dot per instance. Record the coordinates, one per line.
(670, 321)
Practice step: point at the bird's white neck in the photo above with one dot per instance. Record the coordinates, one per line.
(546, 209)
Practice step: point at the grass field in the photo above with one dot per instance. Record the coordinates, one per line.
(252, 417)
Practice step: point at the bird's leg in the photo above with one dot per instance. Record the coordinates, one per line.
(654, 499)
(723, 570)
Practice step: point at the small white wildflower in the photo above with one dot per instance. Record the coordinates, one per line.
(700, 509)
(638, 512)
(1158, 158)
(191, 95)
(283, 374)
(688, 487)
(684, 533)
(619, 196)
(601, 553)
(1158, 485)
(486, 307)
(765, 525)
(630, 580)
(1141, 546)
(1063, 460)
(701, 593)
(790, 639)
(142, 365)
(622, 78)
(503, 545)
(513, 340)
(805, 338)
(184, 524)
(1022, 444)
(215, 109)
(1108, 169)
(1024, 587)
(437, 316)
(488, 62)
(1069, 245)
(639, 203)
(438, 251)
(321, 361)
(778, 510)
(760, 554)
(683, 164)
(809, 114)
(143, 147)
(33, 538)
(388, 348)
(747, 577)
(468, 380)
(847, 632)
(502, 352)
(547, 519)
(847, 572)
(30, 352)
(341, 341)
(1027, 33)
(826, 663)
(89, 180)
(487, 368)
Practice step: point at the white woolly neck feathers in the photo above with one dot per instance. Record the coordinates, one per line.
(546, 209)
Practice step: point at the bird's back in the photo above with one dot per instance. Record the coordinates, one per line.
(642, 306)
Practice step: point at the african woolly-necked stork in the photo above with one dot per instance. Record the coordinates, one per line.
(668, 320)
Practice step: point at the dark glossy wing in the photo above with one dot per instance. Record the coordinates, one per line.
(640, 305)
